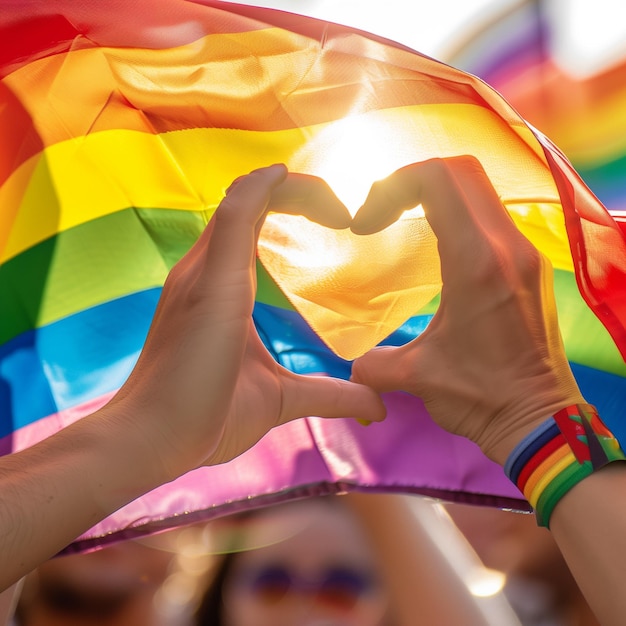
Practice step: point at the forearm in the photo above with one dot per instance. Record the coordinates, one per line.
(420, 579)
(61, 487)
(572, 470)
(588, 525)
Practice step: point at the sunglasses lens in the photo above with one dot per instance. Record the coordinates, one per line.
(66, 599)
(271, 585)
(338, 590)
(342, 589)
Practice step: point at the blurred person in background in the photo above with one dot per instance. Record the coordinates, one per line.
(354, 560)
(306, 562)
(114, 586)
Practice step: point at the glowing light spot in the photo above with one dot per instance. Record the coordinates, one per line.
(484, 582)
(351, 153)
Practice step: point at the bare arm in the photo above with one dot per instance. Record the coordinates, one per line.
(491, 365)
(8, 602)
(420, 579)
(588, 525)
(61, 487)
(201, 375)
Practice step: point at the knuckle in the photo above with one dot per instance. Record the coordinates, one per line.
(485, 265)
(234, 210)
(506, 266)
(529, 261)
(381, 190)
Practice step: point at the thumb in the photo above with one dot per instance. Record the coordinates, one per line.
(383, 369)
(324, 396)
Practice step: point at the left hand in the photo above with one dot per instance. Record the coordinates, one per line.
(204, 381)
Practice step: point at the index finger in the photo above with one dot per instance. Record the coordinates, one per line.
(312, 197)
(229, 240)
(458, 198)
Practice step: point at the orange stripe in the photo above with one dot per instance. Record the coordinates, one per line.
(585, 117)
(84, 178)
(269, 79)
(562, 451)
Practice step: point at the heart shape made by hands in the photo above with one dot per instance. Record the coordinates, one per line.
(353, 290)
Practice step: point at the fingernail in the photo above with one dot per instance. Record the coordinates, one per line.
(363, 422)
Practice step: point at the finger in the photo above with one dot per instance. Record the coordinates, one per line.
(468, 197)
(310, 196)
(233, 233)
(456, 194)
(234, 183)
(324, 396)
(219, 270)
(388, 199)
(383, 369)
(248, 196)
(200, 247)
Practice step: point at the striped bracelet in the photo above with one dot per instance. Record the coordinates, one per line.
(558, 454)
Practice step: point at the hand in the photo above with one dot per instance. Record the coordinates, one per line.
(204, 379)
(491, 364)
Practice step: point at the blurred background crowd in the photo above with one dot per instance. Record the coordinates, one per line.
(316, 561)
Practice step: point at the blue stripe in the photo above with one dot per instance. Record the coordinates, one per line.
(294, 344)
(607, 392)
(528, 447)
(91, 353)
(73, 360)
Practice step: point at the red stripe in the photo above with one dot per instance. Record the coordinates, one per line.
(32, 29)
(539, 457)
(598, 248)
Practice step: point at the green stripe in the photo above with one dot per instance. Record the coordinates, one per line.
(107, 258)
(603, 173)
(268, 292)
(587, 341)
(98, 261)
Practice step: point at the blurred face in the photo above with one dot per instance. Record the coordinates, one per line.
(321, 574)
(112, 587)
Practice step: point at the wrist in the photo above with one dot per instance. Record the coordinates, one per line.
(131, 449)
(561, 452)
(522, 417)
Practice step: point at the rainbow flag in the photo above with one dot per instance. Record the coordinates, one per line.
(583, 112)
(123, 122)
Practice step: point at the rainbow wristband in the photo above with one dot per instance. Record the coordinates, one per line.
(558, 454)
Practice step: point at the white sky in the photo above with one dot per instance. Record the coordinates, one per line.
(424, 25)
(588, 33)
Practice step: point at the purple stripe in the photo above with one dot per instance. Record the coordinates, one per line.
(315, 456)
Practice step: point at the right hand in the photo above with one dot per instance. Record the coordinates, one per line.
(491, 364)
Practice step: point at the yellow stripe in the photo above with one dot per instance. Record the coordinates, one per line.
(544, 466)
(533, 497)
(88, 177)
(83, 179)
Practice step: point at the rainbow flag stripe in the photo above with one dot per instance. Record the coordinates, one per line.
(123, 123)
